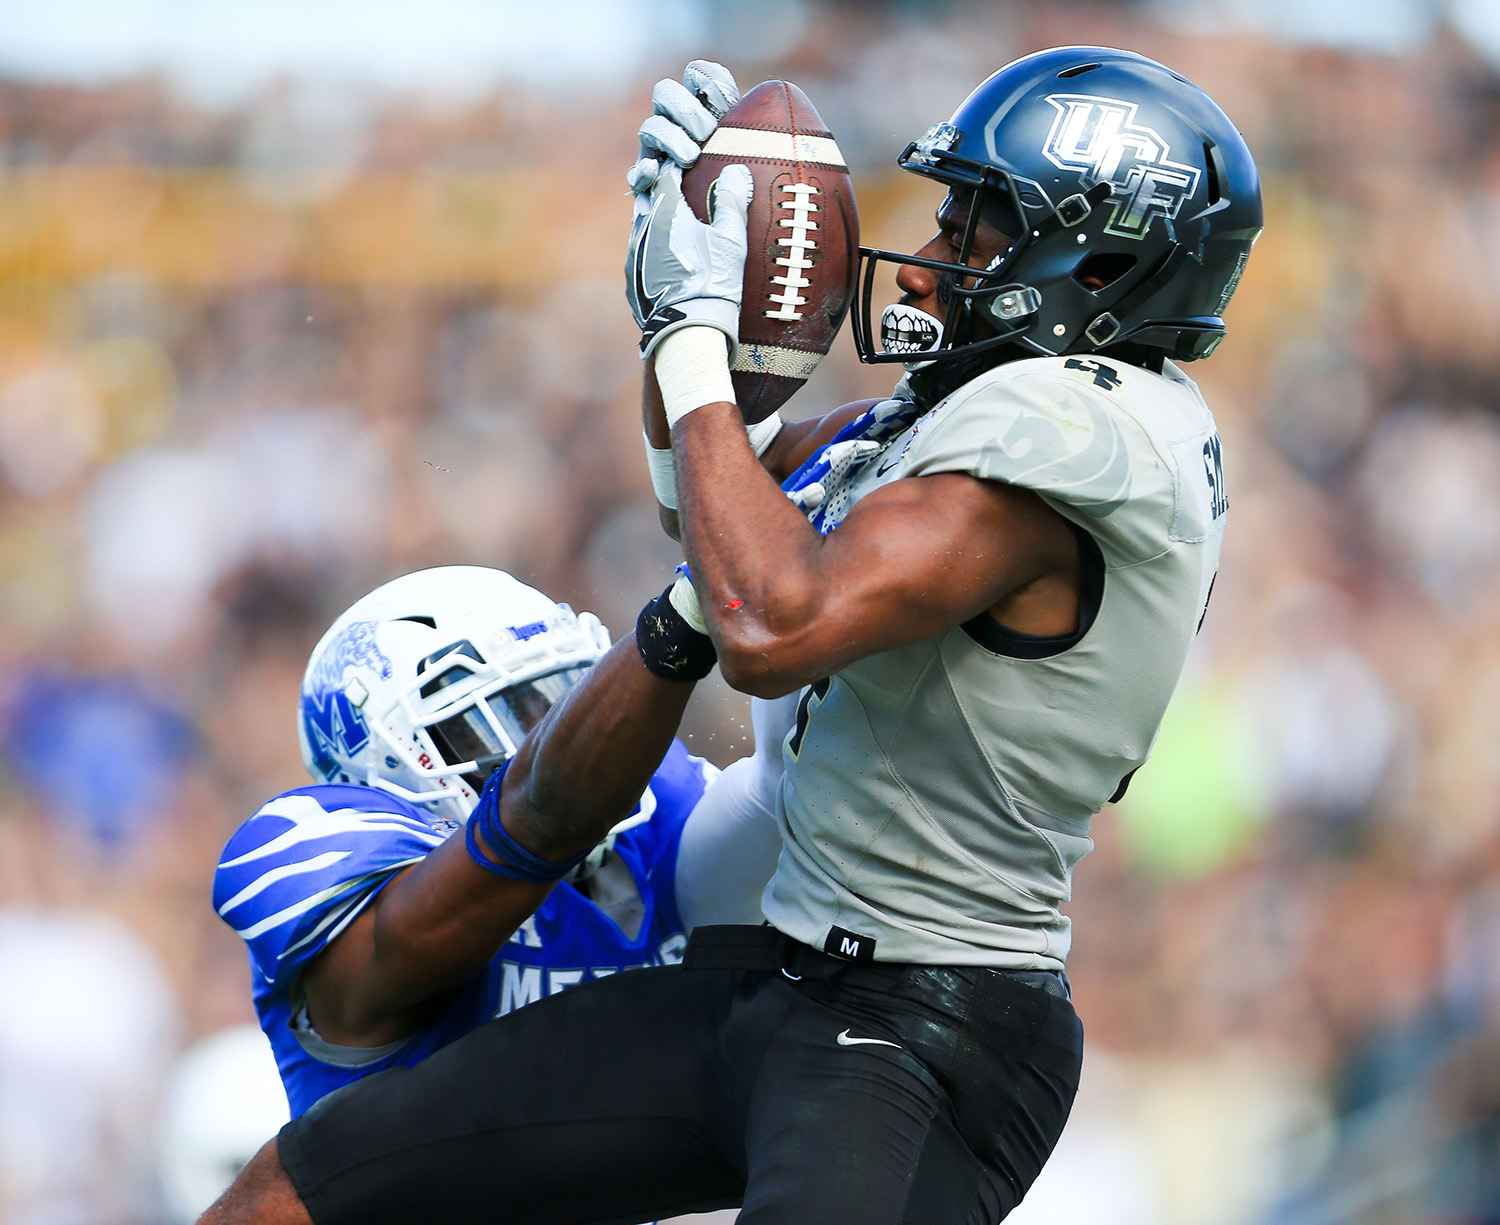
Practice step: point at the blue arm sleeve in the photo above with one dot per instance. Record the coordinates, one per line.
(299, 871)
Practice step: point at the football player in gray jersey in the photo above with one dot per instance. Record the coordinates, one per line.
(985, 588)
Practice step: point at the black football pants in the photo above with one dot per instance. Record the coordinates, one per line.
(814, 1091)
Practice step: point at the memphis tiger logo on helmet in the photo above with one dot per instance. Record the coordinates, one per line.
(331, 720)
(423, 687)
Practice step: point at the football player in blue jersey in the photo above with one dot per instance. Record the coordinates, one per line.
(374, 938)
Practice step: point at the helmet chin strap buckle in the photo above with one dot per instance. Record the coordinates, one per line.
(1104, 329)
(1074, 210)
(490, 762)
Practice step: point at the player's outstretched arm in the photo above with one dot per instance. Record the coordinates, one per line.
(580, 771)
(584, 767)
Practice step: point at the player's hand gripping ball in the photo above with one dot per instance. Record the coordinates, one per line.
(785, 297)
(803, 232)
(683, 117)
(680, 271)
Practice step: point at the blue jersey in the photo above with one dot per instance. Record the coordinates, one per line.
(300, 870)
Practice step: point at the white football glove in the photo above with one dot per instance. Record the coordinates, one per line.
(684, 117)
(679, 271)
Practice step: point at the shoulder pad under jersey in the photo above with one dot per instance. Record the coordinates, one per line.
(1103, 440)
(297, 872)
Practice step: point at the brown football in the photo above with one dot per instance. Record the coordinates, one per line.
(804, 239)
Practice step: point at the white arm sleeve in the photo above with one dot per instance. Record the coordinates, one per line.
(731, 841)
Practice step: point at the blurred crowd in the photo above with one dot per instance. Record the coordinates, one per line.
(256, 360)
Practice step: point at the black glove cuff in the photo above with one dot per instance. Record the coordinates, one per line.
(670, 647)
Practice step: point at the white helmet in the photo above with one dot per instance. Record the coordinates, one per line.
(428, 683)
(223, 1102)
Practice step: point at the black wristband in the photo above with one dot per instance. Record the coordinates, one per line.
(670, 647)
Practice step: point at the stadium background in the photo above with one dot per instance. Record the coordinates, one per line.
(298, 297)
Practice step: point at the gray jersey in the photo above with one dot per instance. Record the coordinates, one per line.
(937, 796)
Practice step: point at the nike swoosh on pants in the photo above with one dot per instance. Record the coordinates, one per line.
(845, 1040)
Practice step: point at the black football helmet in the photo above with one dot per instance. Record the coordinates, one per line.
(1132, 199)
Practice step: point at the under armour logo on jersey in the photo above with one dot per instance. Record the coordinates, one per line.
(1099, 138)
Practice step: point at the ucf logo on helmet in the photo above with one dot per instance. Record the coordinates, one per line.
(1098, 138)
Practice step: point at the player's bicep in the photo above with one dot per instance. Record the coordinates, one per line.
(921, 555)
(339, 982)
(347, 960)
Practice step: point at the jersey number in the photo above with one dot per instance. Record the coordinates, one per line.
(1213, 468)
(815, 692)
(1106, 377)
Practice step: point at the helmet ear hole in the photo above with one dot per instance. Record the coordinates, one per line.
(1211, 161)
(1102, 269)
